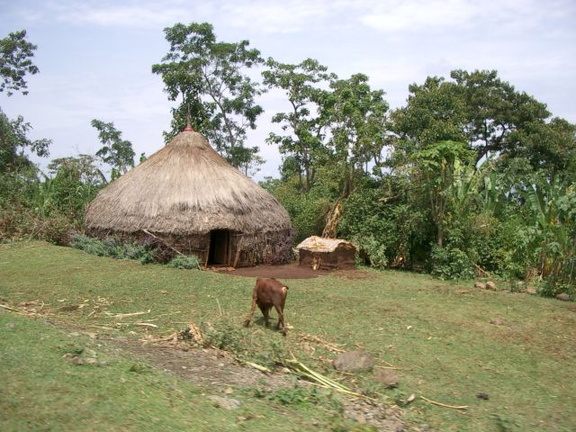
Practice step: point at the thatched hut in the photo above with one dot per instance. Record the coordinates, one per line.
(191, 200)
(327, 254)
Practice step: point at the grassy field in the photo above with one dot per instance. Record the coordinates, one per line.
(448, 343)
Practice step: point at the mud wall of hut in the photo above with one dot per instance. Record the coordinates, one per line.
(341, 258)
(246, 250)
(269, 248)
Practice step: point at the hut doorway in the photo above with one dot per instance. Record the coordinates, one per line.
(219, 253)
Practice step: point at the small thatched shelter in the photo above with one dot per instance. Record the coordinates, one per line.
(190, 199)
(327, 254)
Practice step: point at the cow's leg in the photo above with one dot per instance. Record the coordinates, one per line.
(280, 310)
(251, 314)
(266, 312)
(280, 324)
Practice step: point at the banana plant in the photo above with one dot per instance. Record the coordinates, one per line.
(553, 207)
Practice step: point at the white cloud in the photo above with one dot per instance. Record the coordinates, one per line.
(117, 14)
(414, 15)
(264, 16)
(276, 17)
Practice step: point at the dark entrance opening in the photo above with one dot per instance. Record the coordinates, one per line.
(219, 248)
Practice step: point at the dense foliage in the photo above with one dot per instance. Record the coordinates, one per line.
(470, 178)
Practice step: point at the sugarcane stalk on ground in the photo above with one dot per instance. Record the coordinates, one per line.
(320, 379)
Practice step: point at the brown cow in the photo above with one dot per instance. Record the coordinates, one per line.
(268, 293)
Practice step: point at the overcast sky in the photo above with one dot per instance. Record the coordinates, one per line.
(95, 56)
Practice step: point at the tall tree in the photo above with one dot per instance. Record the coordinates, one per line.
(302, 141)
(218, 95)
(16, 62)
(495, 111)
(434, 113)
(356, 117)
(14, 144)
(489, 114)
(549, 148)
(84, 165)
(115, 151)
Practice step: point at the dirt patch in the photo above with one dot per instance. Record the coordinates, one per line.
(216, 370)
(286, 271)
(290, 271)
(209, 368)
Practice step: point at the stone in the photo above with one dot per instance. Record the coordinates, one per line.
(387, 378)
(226, 403)
(354, 361)
(490, 286)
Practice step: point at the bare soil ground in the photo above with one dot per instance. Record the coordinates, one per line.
(290, 271)
(224, 377)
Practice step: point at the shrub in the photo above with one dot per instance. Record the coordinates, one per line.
(18, 222)
(386, 232)
(373, 251)
(295, 396)
(307, 209)
(551, 287)
(113, 248)
(225, 336)
(89, 245)
(188, 262)
(15, 222)
(451, 263)
(55, 229)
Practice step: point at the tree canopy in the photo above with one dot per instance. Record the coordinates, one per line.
(302, 142)
(115, 151)
(218, 95)
(16, 62)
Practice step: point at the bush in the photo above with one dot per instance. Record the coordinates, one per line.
(307, 209)
(386, 232)
(55, 229)
(551, 287)
(90, 245)
(18, 222)
(15, 222)
(451, 263)
(373, 251)
(226, 336)
(188, 262)
(113, 248)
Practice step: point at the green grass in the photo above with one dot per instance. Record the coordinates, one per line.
(46, 392)
(42, 391)
(438, 334)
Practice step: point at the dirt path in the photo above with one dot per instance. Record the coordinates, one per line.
(223, 376)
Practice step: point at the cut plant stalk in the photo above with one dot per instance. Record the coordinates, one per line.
(322, 380)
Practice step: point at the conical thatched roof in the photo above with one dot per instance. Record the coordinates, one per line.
(185, 188)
